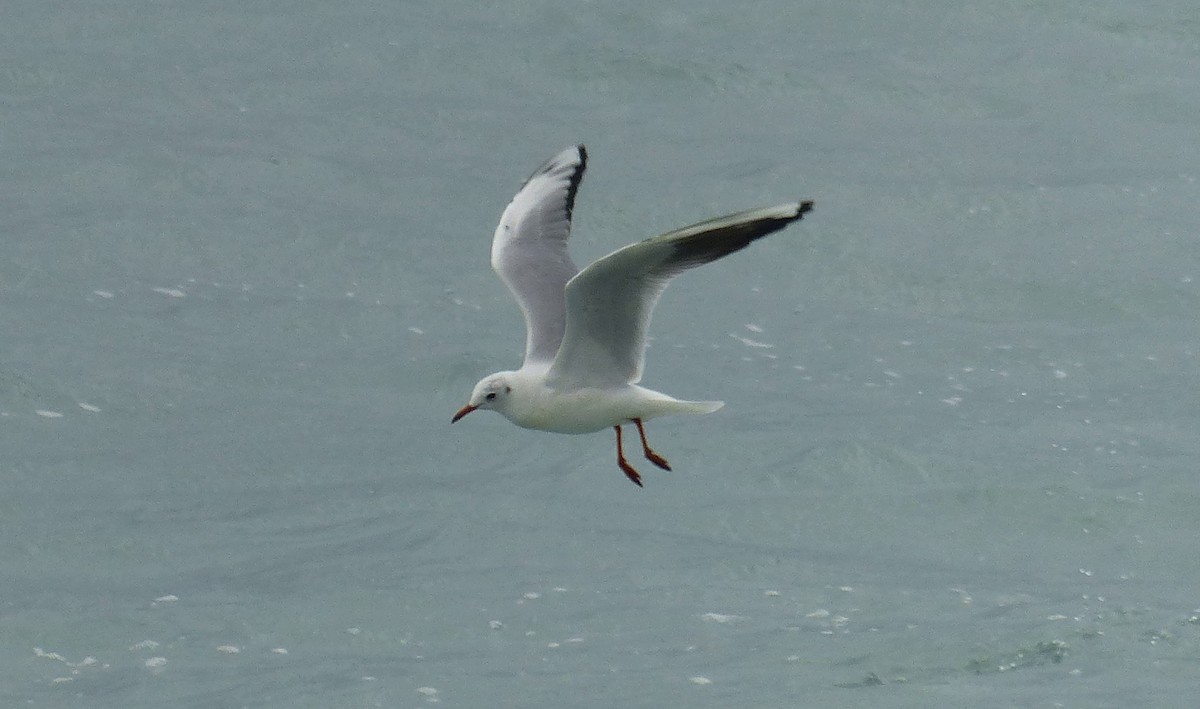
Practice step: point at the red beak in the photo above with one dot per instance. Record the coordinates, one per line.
(463, 412)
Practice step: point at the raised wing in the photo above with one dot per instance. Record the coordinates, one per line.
(609, 303)
(529, 250)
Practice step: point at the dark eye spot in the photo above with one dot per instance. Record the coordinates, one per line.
(490, 396)
(507, 390)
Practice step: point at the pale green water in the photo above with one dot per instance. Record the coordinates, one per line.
(245, 285)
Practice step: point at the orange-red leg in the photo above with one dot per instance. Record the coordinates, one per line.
(650, 455)
(624, 464)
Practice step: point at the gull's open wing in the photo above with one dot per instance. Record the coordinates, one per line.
(529, 250)
(609, 303)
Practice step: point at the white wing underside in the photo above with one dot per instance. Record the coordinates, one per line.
(529, 250)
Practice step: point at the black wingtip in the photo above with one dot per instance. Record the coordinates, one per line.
(576, 178)
(805, 207)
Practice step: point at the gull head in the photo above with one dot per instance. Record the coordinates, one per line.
(492, 392)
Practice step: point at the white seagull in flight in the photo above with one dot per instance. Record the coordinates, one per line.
(585, 340)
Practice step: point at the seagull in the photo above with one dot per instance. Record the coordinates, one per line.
(585, 331)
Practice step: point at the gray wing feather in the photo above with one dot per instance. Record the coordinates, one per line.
(609, 303)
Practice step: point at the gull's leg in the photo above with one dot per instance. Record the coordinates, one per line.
(624, 464)
(651, 455)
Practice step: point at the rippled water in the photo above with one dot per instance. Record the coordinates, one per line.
(245, 285)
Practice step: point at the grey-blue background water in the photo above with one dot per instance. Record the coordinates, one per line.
(245, 283)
